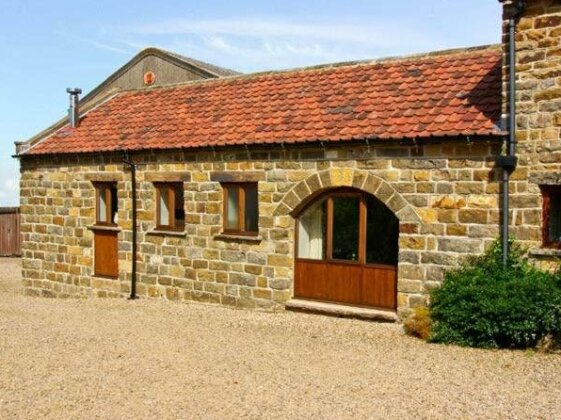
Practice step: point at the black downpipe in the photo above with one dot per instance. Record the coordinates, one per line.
(508, 162)
(132, 166)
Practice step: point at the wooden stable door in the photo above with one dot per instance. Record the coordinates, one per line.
(347, 245)
(10, 237)
(355, 284)
(106, 258)
(106, 247)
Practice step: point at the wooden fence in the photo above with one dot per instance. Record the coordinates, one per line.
(10, 240)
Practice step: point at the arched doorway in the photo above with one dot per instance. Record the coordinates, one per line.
(346, 250)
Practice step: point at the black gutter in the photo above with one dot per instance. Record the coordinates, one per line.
(508, 162)
(372, 141)
(132, 166)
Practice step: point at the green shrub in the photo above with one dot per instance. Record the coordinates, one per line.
(482, 304)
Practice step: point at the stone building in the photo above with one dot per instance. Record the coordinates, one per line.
(346, 187)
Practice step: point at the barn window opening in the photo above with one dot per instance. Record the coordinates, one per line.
(348, 226)
(106, 203)
(551, 215)
(381, 226)
(241, 210)
(170, 209)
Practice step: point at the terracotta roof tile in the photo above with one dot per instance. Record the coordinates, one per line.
(440, 95)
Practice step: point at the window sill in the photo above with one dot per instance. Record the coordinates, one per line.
(237, 238)
(107, 228)
(545, 252)
(105, 277)
(177, 233)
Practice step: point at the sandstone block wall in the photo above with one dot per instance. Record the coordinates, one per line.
(445, 195)
(538, 99)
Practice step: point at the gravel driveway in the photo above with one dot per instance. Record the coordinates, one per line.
(113, 359)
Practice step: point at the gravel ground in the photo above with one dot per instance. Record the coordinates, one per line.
(113, 359)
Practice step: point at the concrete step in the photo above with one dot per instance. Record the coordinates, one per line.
(341, 310)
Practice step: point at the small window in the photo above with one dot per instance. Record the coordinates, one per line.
(241, 212)
(106, 203)
(170, 211)
(551, 215)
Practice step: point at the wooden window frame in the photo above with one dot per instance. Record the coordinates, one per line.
(241, 186)
(173, 226)
(361, 227)
(362, 234)
(106, 186)
(547, 192)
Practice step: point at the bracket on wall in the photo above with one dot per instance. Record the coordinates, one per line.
(507, 163)
(416, 145)
(367, 146)
(513, 7)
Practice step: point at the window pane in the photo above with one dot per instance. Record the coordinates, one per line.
(555, 218)
(312, 231)
(232, 208)
(382, 232)
(345, 228)
(164, 207)
(114, 204)
(102, 204)
(251, 208)
(179, 204)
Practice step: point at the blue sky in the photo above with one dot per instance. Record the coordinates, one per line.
(47, 46)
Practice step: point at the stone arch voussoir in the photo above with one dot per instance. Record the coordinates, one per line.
(313, 185)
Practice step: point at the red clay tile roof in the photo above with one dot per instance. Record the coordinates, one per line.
(451, 94)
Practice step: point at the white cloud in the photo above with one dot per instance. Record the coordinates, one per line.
(374, 33)
(107, 47)
(252, 43)
(258, 54)
(268, 50)
(9, 192)
(220, 44)
(11, 184)
(263, 43)
(98, 44)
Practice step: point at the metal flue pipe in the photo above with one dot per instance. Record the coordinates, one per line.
(73, 110)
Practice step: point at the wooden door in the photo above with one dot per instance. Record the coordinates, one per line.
(347, 251)
(10, 237)
(355, 284)
(106, 259)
